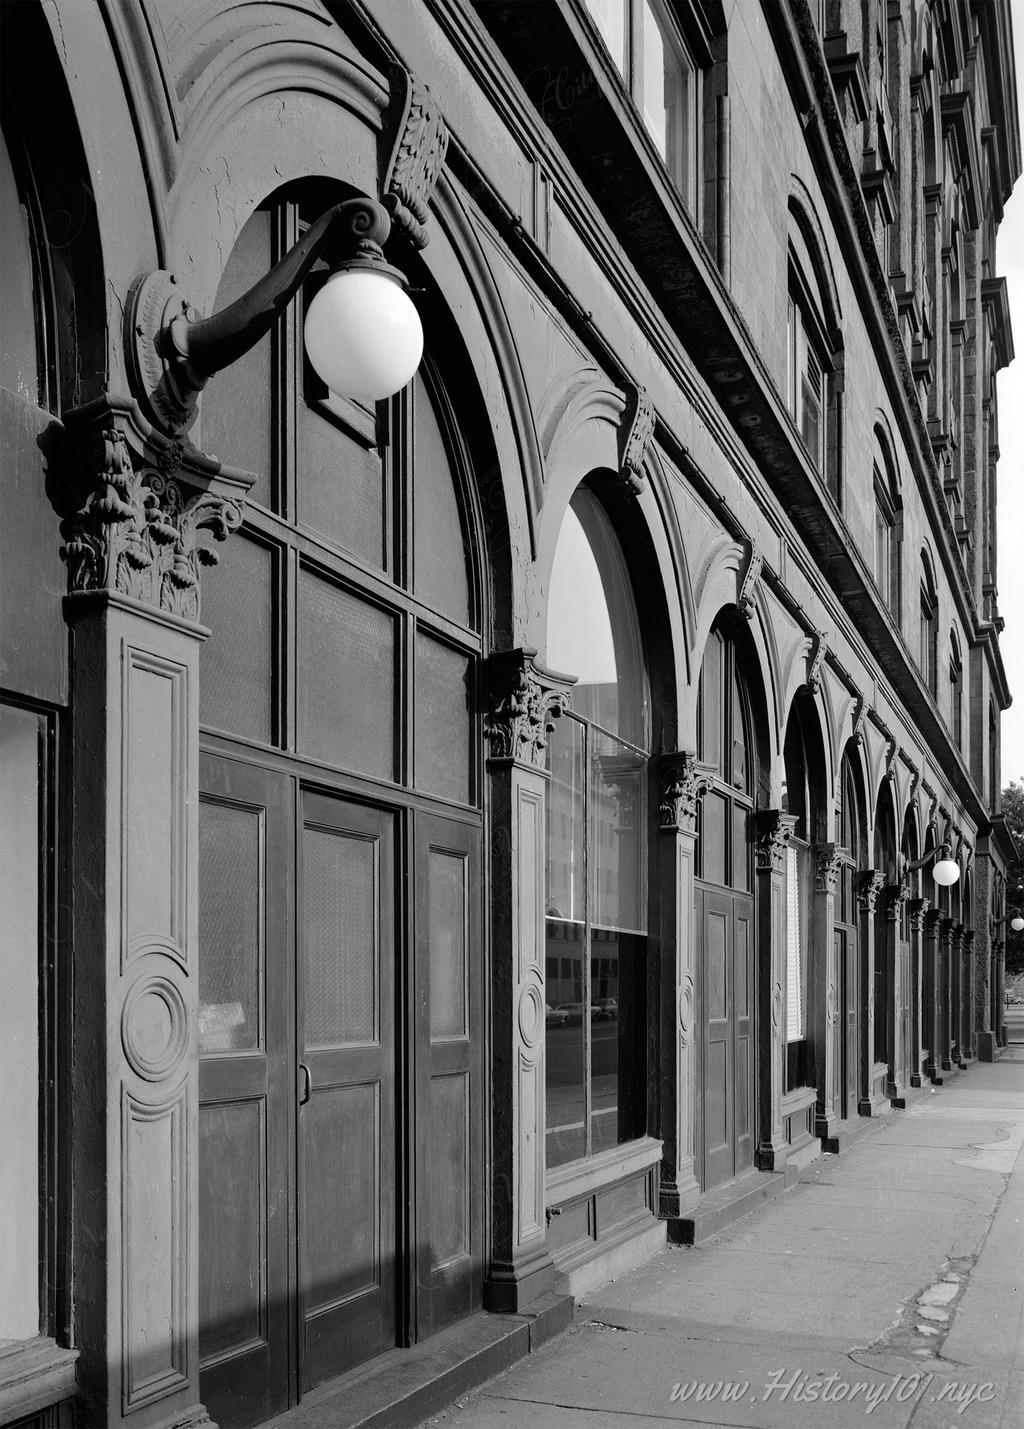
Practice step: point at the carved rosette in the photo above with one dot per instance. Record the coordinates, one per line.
(896, 894)
(830, 860)
(684, 780)
(871, 881)
(917, 909)
(525, 701)
(774, 832)
(132, 504)
(745, 601)
(635, 434)
(421, 142)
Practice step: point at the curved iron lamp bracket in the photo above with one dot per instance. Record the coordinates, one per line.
(173, 351)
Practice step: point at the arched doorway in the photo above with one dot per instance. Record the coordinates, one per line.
(342, 961)
(853, 850)
(725, 922)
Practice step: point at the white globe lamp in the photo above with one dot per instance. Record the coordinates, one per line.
(363, 334)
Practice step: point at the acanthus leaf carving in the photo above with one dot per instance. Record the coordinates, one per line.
(684, 780)
(525, 701)
(421, 142)
(745, 601)
(818, 651)
(635, 434)
(917, 909)
(830, 859)
(132, 504)
(871, 881)
(896, 894)
(774, 832)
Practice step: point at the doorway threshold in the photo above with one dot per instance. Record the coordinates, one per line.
(724, 1204)
(402, 1387)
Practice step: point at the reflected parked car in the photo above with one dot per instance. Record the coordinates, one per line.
(554, 1017)
(574, 1010)
(608, 1008)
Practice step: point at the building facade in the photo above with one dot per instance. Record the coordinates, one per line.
(454, 843)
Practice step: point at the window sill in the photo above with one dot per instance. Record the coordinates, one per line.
(580, 1178)
(34, 1374)
(799, 1099)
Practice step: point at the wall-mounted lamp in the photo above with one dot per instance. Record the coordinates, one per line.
(363, 333)
(1015, 920)
(945, 870)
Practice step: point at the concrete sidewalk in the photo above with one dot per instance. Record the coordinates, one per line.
(885, 1288)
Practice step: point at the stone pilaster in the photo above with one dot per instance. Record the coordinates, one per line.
(871, 882)
(999, 991)
(956, 986)
(894, 1012)
(918, 909)
(774, 832)
(827, 1032)
(967, 1017)
(930, 995)
(524, 702)
(682, 781)
(131, 505)
(944, 965)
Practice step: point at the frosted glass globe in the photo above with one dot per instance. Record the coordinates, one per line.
(363, 335)
(1017, 924)
(945, 872)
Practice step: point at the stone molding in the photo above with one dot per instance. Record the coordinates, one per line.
(524, 702)
(132, 503)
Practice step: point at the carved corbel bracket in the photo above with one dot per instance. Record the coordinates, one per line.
(684, 780)
(748, 586)
(417, 158)
(818, 651)
(774, 832)
(859, 721)
(132, 502)
(830, 860)
(635, 433)
(525, 700)
(896, 894)
(871, 881)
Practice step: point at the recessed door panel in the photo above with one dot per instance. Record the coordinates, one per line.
(346, 1087)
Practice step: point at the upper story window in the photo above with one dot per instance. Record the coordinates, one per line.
(596, 925)
(808, 366)
(956, 690)
(661, 75)
(929, 625)
(888, 523)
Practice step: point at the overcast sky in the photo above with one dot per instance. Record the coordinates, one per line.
(1010, 263)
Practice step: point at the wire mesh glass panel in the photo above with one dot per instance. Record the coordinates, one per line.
(236, 686)
(341, 989)
(448, 945)
(340, 489)
(443, 692)
(230, 927)
(440, 577)
(346, 650)
(236, 407)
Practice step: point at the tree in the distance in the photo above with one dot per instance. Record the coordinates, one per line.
(1013, 809)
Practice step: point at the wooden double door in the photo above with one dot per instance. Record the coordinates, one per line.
(340, 1118)
(726, 920)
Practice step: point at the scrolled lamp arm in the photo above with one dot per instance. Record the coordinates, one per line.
(1015, 916)
(175, 351)
(939, 853)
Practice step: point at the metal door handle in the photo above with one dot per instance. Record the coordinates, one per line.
(308, 1084)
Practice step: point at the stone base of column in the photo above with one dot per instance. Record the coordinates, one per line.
(676, 1198)
(511, 1289)
(986, 1046)
(916, 1079)
(827, 1127)
(772, 1155)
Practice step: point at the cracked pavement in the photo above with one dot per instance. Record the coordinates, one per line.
(884, 1288)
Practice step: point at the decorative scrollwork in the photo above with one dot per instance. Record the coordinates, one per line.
(896, 894)
(525, 702)
(917, 909)
(859, 721)
(417, 158)
(818, 651)
(745, 601)
(684, 781)
(635, 435)
(871, 881)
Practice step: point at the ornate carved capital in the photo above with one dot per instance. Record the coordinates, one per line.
(871, 881)
(932, 919)
(748, 587)
(896, 894)
(635, 435)
(132, 503)
(525, 700)
(774, 832)
(818, 651)
(917, 909)
(421, 142)
(826, 873)
(969, 936)
(946, 926)
(684, 780)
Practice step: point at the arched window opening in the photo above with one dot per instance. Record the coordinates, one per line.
(813, 350)
(799, 798)
(596, 958)
(956, 691)
(928, 630)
